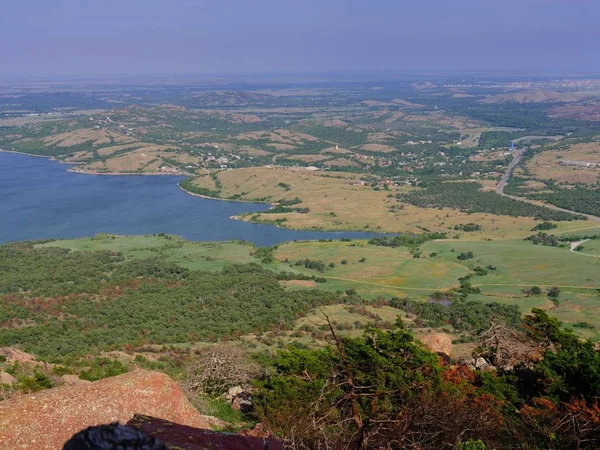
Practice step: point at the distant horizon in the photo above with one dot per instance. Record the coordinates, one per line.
(72, 38)
(299, 76)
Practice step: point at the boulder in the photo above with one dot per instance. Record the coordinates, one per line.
(479, 364)
(482, 364)
(47, 419)
(438, 342)
(73, 380)
(233, 392)
(240, 399)
(6, 378)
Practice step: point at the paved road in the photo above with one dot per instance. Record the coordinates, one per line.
(518, 155)
(504, 181)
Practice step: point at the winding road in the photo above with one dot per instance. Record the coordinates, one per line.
(574, 246)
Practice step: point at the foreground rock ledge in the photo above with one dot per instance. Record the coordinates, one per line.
(47, 419)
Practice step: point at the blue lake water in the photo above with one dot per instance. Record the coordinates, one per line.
(39, 199)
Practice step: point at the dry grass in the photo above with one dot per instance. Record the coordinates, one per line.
(340, 162)
(298, 283)
(147, 159)
(547, 165)
(308, 158)
(96, 137)
(79, 156)
(254, 151)
(278, 136)
(336, 151)
(335, 203)
(378, 148)
(105, 151)
(282, 147)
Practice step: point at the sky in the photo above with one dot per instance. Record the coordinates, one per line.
(42, 38)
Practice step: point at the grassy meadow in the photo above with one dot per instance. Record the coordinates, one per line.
(337, 201)
(375, 271)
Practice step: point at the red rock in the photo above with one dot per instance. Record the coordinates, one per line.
(13, 355)
(46, 420)
(438, 342)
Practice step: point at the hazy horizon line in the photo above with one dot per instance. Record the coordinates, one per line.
(325, 75)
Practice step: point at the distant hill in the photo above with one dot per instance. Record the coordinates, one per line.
(536, 96)
(230, 99)
(581, 112)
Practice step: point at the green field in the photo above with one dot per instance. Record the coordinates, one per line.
(387, 272)
(521, 265)
(212, 256)
(591, 248)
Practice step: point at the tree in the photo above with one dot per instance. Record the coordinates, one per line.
(554, 292)
(346, 395)
(533, 291)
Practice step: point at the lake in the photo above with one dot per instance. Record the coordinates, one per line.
(40, 199)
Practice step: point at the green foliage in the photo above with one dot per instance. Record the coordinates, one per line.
(449, 309)
(467, 227)
(292, 202)
(468, 197)
(573, 369)
(465, 255)
(386, 369)
(580, 199)
(496, 139)
(312, 264)
(554, 292)
(75, 303)
(103, 368)
(221, 409)
(471, 444)
(35, 383)
(544, 226)
(545, 239)
(265, 254)
(284, 209)
(189, 186)
(534, 290)
(406, 240)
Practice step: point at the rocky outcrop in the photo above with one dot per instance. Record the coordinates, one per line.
(14, 355)
(47, 419)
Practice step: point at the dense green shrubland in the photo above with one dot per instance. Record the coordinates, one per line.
(56, 302)
(468, 197)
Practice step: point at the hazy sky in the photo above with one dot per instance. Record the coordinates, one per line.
(89, 37)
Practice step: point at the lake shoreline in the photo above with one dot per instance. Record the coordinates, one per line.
(116, 174)
(241, 217)
(42, 200)
(224, 199)
(74, 168)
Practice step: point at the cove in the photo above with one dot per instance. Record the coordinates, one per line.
(40, 199)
